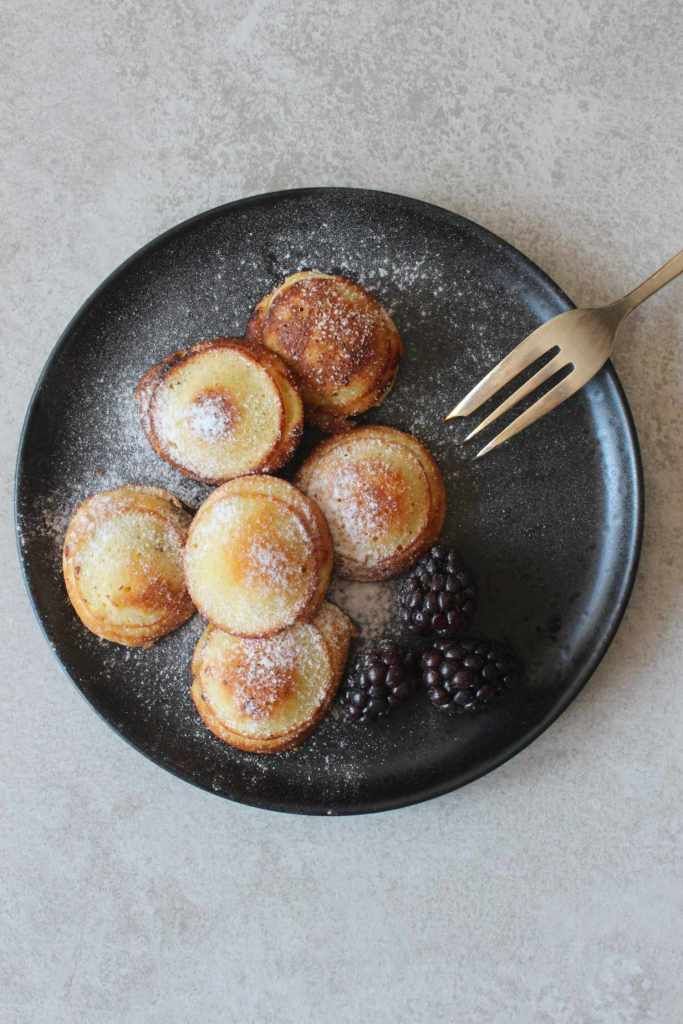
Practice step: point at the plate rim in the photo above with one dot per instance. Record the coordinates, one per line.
(631, 555)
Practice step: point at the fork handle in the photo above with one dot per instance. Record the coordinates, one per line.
(671, 269)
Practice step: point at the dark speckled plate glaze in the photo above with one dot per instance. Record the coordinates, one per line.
(551, 522)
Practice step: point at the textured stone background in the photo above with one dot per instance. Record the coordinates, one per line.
(547, 892)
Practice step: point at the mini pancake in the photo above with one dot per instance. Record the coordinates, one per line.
(221, 409)
(377, 503)
(342, 345)
(267, 695)
(315, 521)
(123, 564)
(382, 495)
(256, 563)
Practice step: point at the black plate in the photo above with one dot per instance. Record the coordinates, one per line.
(551, 522)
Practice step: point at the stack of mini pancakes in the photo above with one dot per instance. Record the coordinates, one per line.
(257, 557)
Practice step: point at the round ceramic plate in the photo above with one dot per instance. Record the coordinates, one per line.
(551, 522)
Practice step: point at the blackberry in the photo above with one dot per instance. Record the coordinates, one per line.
(465, 675)
(439, 596)
(383, 677)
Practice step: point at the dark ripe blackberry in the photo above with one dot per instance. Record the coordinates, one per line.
(439, 596)
(466, 675)
(382, 678)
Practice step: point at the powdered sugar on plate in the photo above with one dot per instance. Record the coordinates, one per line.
(370, 605)
(456, 314)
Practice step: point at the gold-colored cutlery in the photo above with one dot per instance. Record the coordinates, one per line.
(580, 341)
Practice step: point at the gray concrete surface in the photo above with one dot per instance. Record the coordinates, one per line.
(550, 891)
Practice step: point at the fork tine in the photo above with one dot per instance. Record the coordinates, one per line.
(528, 350)
(565, 389)
(542, 375)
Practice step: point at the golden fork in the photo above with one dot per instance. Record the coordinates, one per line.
(579, 340)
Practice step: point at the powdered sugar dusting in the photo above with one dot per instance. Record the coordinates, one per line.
(371, 606)
(49, 519)
(268, 561)
(339, 333)
(212, 416)
(265, 674)
(365, 506)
